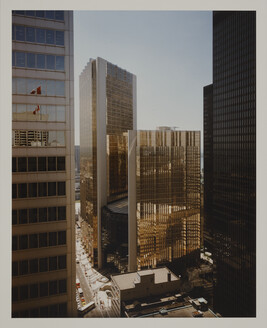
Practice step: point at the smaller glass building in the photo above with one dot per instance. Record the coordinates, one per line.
(164, 196)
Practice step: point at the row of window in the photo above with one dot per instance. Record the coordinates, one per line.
(40, 61)
(52, 263)
(24, 86)
(38, 164)
(38, 138)
(47, 113)
(42, 214)
(48, 14)
(39, 240)
(41, 289)
(40, 189)
(37, 35)
(51, 311)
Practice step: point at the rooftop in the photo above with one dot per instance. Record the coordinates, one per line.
(120, 206)
(126, 280)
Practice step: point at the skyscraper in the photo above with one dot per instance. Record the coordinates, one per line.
(43, 231)
(164, 196)
(232, 208)
(107, 112)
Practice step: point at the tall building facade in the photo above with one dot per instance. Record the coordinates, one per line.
(164, 196)
(43, 231)
(233, 158)
(107, 112)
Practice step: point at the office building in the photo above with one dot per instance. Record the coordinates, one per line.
(164, 196)
(107, 112)
(43, 231)
(231, 208)
(141, 287)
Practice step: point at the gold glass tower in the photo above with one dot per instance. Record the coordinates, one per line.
(107, 112)
(164, 196)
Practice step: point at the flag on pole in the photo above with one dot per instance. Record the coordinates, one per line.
(37, 91)
(36, 109)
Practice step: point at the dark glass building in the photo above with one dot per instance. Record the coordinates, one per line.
(231, 157)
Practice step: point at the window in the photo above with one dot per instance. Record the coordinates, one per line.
(52, 189)
(34, 291)
(43, 289)
(20, 33)
(60, 38)
(21, 86)
(32, 190)
(50, 62)
(43, 264)
(52, 238)
(44, 310)
(41, 163)
(50, 87)
(52, 164)
(25, 313)
(22, 190)
(62, 309)
(40, 35)
(49, 14)
(14, 191)
(22, 164)
(23, 216)
(52, 213)
(20, 59)
(61, 163)
(30, 13)
(60, 138)
(53, 287)
(59, 15)
(32, 164)
(43, 214)
(50, 37)
(30, 34)
(23, 241)
(33, 266)
(60, 88)
(14, 243)
(61, 113)
(14, 164)
(33, 240)
(61, 188)
(23, 291)
(62, 263)
(34, 313)
(62, 213)
(23, 267)
(52, 263)
(42, 192)
(31, 60)
(15, 268)
(32, 215)
(40, 13)
(15, 294)
(51, 113)
(41, 61)
(62, 286)
(61, 237)
(14, 217)
(53, 312)
(60, 63)
(43, 239)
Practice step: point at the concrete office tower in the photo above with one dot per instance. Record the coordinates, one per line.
(164, 196)
(107, 112)
(43, 224)
(231, 208)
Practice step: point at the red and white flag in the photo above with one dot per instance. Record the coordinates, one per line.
(36, 91)
(36, 109)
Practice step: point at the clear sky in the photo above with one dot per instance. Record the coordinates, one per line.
(170, 52)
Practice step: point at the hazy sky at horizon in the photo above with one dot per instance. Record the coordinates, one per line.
(170, 52)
